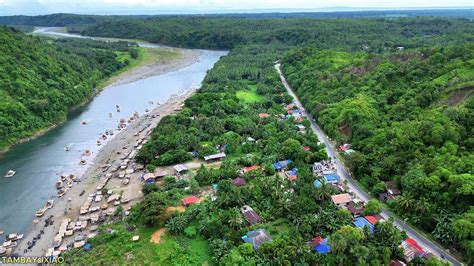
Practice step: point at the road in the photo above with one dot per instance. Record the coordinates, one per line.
(425, 243)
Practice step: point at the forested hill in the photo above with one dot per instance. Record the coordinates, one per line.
(40, 81)
(372, 35)
(409, 117)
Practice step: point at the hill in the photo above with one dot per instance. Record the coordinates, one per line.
(40, 81)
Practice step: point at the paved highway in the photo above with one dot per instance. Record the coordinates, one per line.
(425, 243)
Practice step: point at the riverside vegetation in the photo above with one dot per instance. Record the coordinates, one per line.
(361, 89)
(42, 80)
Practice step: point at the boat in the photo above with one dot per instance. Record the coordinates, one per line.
(110, 114)
(73, 177)
(99, 143)
(1, 232)
(87, 153)
(59, 184)
(82, 162)
(84, 122)
(69, 184)
(67, 148)
(63, 177)
(42, 211)
(10, 173)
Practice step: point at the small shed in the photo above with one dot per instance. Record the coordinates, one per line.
(250, 214)
(250, 168)
(214, 157)
(189, 200)
(180, 168)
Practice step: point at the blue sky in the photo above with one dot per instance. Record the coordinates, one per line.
(35, 7)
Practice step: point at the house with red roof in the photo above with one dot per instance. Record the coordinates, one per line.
(411, 249)
(263, 115)
(250, 168)
(371, 219)
(189, 200)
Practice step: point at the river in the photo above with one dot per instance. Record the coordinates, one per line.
(41, 161)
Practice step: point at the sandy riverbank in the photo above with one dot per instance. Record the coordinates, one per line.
(69, 205)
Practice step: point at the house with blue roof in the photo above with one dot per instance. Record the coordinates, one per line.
(361, 222)
(282, 165)
(257, 237)
(331, 177)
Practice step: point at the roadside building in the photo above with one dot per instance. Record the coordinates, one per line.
(361, 222)
(411, 249)
(341, 199)
(331, 177)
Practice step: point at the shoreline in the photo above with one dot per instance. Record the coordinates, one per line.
(69, 205)
(187, 58)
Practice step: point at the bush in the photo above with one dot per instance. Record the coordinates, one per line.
(190, 231)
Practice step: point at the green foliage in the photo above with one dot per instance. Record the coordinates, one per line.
(372, 207)
(41, 82)
(151, 211)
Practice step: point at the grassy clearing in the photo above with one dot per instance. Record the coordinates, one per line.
(249, 96)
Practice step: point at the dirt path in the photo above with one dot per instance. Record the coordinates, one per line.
(156, 237)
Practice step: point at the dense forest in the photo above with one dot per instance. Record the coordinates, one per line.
(40, 80)
(409, 117)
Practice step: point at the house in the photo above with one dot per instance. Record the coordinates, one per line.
(341, 199)
(250, 168)
(238, 182)
(301, 128)
(263, 115)
(331, 177)
(371, 219)
(281, 165)
(345, 147)
(307, 148)
(257, 237)
(385, 196)
(394, 192)
(149, 177)
(160, 173)
(317, 167)
(316, 241)
(354, 209)
(322, 247)
(180, 168)
(215, 157)
(361, 222)
(323, 167)
(250, 139)
(189, 200)
(292, 174)
(250, 214)
(411, 249)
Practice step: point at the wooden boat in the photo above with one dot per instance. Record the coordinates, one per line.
(42, 211)
(10, 173)
(99, 143)
(69, 184)
(84, 122)
(63, 177)
(82, 162)
(73, 177)
(87, 153)
(59, 184)
(67, 148)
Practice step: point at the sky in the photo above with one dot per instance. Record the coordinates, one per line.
(38, 7)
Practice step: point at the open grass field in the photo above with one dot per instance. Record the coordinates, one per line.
(249, 96)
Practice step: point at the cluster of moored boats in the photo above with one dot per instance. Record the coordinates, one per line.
(9, 244)
(64, 183)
